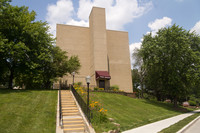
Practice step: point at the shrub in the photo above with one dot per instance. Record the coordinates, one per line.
(114, 88)
(192, 103)
(101, 89)
(78, 83)
(99, 113)
(96, 88)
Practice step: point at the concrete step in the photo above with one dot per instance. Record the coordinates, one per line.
(70, 114)
(67, 100)
(74, 130)
(64, 101)
(69, 105)
(70, 111)
(72, 122)
(64, 105)
(69, 108)
(73, 126)
(73, 119)
(66, 96)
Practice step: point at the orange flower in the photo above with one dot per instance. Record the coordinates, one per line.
(101, 110)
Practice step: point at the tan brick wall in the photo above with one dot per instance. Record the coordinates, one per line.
(98, 38)
(119, 60)
(98, 50)
(76, 41)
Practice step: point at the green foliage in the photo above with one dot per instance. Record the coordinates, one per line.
(135, 79)
(171, 65)
(79, 83)
(27, 52)
(192, 103)
(138, 74)
(114, 88)
(99, 114)
(96, 88)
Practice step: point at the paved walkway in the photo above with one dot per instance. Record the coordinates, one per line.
(194, 127)
(160, 125)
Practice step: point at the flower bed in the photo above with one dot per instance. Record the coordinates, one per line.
(99, 113)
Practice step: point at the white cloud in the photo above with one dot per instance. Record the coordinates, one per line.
(132, 47)
(196, 28)
(118, 12)
(78, 23)
(158, 24)
(61, 12)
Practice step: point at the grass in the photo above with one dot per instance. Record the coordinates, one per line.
(131, 113)
(28, 111)
(179, 125)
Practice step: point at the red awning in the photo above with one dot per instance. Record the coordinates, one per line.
(102, 75)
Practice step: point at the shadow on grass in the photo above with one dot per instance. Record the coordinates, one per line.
(168, 106)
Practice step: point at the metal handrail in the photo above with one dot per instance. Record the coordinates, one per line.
(82, 104)
(60, 106)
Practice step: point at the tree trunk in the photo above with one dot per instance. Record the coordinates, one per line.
(158, 97)
(142, 90)
(10, 84)
(47, 84)
(175, 102)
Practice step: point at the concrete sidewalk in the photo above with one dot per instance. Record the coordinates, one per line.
(160, 125)
(192, 127)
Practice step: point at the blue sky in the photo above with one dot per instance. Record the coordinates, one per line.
(138, 17)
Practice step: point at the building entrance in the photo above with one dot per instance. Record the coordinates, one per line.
(102, 84)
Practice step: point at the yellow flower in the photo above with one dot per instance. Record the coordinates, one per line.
(101, 110)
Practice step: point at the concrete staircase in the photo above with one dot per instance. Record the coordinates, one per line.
(72, 119)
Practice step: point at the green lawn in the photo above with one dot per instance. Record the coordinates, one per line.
(28, 111)
(131, 113)
(179, 125)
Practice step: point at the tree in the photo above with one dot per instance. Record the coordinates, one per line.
(139, 73)
(135, 79)
(170, 62)
(26, 49)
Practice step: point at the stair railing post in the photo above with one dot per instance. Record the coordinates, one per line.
(60, 109)
(87, 78)
(88, 97)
